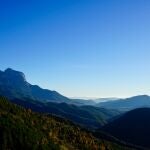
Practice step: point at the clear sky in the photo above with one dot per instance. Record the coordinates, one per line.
(95, 48)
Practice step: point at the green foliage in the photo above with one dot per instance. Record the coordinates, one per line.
(23, 129)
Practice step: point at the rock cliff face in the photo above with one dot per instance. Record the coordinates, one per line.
(13, 84)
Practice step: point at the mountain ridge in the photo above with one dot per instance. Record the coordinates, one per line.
(127, 103)
(87, 116)
(132, 127)
(13, 84)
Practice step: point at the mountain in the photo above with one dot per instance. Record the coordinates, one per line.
(133, 127)
(86, 116)
(13, 84)
(23, 129)
(127, 104)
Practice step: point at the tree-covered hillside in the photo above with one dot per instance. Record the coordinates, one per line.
(86, 116)
(23, 129)
(132, 127)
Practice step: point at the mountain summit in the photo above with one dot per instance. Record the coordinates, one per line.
(13, 84)
(15, 74)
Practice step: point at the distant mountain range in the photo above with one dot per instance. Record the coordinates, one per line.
(13, 84)
(128, 103)
(132, 127)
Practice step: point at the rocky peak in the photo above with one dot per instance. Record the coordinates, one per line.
(15, 74)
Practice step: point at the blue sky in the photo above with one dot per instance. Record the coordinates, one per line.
(95, 48)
